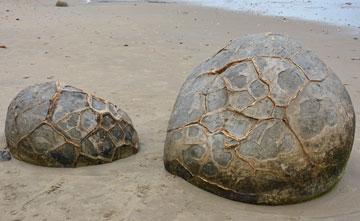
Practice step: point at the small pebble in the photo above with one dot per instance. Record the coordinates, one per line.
(61, 4)
(5, 155)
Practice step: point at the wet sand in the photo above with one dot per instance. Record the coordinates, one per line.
(138, 55)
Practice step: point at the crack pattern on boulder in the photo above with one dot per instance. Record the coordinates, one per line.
(263, 121)
(53, 125)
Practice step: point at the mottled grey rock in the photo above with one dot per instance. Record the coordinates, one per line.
(53, 125)
(263, 121)
(5, 155)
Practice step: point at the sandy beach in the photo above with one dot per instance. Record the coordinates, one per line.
(137, 55)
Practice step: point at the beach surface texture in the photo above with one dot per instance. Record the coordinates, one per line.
(138, 55)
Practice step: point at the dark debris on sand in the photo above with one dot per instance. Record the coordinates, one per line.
(5, 155)
(61, 4)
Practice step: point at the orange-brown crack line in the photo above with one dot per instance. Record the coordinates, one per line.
(53, 102)
(229, 88)
(207, 181)
(221, 70)
(286, 120)
(238, 155)
(259, 74)
(68, 115)
(61, 133)
(205, 101)
(247, 161)
(306, 154)
(297, 65)
(58, 131)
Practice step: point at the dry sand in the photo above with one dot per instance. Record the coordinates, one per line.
(84, 45)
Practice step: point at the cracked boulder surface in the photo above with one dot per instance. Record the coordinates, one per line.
(263, 121)
(56, 125)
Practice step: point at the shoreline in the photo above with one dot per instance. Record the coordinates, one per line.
(319, 14)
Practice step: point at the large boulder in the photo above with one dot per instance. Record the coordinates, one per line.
(263, 121)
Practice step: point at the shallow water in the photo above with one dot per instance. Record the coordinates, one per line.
(338, 12)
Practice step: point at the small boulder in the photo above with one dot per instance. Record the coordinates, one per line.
(61, 4)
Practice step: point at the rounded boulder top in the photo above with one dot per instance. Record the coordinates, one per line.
(263, 121)
(56, 125)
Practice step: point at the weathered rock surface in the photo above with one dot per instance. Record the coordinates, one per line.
(263, 121)
(53, 125)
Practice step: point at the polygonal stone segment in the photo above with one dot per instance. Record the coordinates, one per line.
(88, 120)
(124, 151)
(76, 134)
(117, 134)
(113, 110)
(174, 139)
(237, 125)
(284, 78)
(25, 151)
(188, 109)
(315, 115)
(88, 147)
(259, 89)
(214, 121)
(239, 75)
(69, 102)
(131, 137)
(99, 144)
(25, 122)
(107, 121)
(290, 80)
(317, 109)
(216, 100)
(194, 131)
(270, 67)
(192, 156)
(45, 138)
(65, 155)
(124, 116)
(275, 138)
(279, 113)
(262, 109)
(30, 108)
(69, 122)
(209, 169)
(313, 67)
(220, 155)
(203, 84)
(240, 100)
(77, 125)
(98, 103)
(194, 134)
(34, 95)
